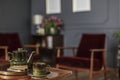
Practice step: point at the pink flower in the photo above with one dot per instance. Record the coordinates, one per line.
(53, 21)
(53, 18)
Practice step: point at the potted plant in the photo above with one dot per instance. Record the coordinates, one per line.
(117, 35)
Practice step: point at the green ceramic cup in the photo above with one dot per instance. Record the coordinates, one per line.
(40, 69)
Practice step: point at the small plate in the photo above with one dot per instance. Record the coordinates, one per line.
(44, 75)
(47, 76)
(52, 75)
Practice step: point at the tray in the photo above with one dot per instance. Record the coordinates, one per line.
(10, 73)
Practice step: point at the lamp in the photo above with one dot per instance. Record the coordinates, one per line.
(37, 20)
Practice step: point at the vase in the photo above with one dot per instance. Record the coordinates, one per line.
(53, 31)
(41, 31)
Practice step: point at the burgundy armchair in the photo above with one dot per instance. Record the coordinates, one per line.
(89, 56)
(10, 42)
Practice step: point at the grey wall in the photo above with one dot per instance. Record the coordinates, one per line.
(15, 17)
(103, 18)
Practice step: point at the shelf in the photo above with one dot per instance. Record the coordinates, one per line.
(48, 44)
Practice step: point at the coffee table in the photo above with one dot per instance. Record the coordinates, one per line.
(55, 74)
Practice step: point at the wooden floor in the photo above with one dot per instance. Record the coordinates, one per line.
(112, 74)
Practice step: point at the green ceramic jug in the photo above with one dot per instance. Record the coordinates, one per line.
(19, 57)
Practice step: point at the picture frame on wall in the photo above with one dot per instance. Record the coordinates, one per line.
(53, 6)
(81, 5)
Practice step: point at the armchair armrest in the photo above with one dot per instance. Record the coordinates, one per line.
(92, 56)
(34, 46)
(97, 50)
(72, 48)
(6, 51)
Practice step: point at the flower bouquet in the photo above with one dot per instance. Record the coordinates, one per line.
(52, 25)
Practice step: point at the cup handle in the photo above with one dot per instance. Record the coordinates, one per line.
(48, 68)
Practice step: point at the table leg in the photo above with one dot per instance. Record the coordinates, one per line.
(119, 73)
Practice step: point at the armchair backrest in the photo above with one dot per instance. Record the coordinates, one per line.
(91, 41)
(11, 40)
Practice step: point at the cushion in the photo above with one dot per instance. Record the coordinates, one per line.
(79, 62)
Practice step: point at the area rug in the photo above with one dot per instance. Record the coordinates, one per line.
(112, 74)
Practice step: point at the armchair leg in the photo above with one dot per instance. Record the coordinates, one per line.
(105, 74)
(76, 75)
(105, 68)
(90, 75)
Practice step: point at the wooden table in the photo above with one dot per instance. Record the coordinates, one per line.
(61, 74)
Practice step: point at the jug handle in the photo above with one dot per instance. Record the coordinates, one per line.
(30, 57)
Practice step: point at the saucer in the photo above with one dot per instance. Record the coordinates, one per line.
(47, 76)
(42, 75)
(52, 75)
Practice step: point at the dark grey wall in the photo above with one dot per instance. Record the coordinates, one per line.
(15, 17)
(103, 18)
